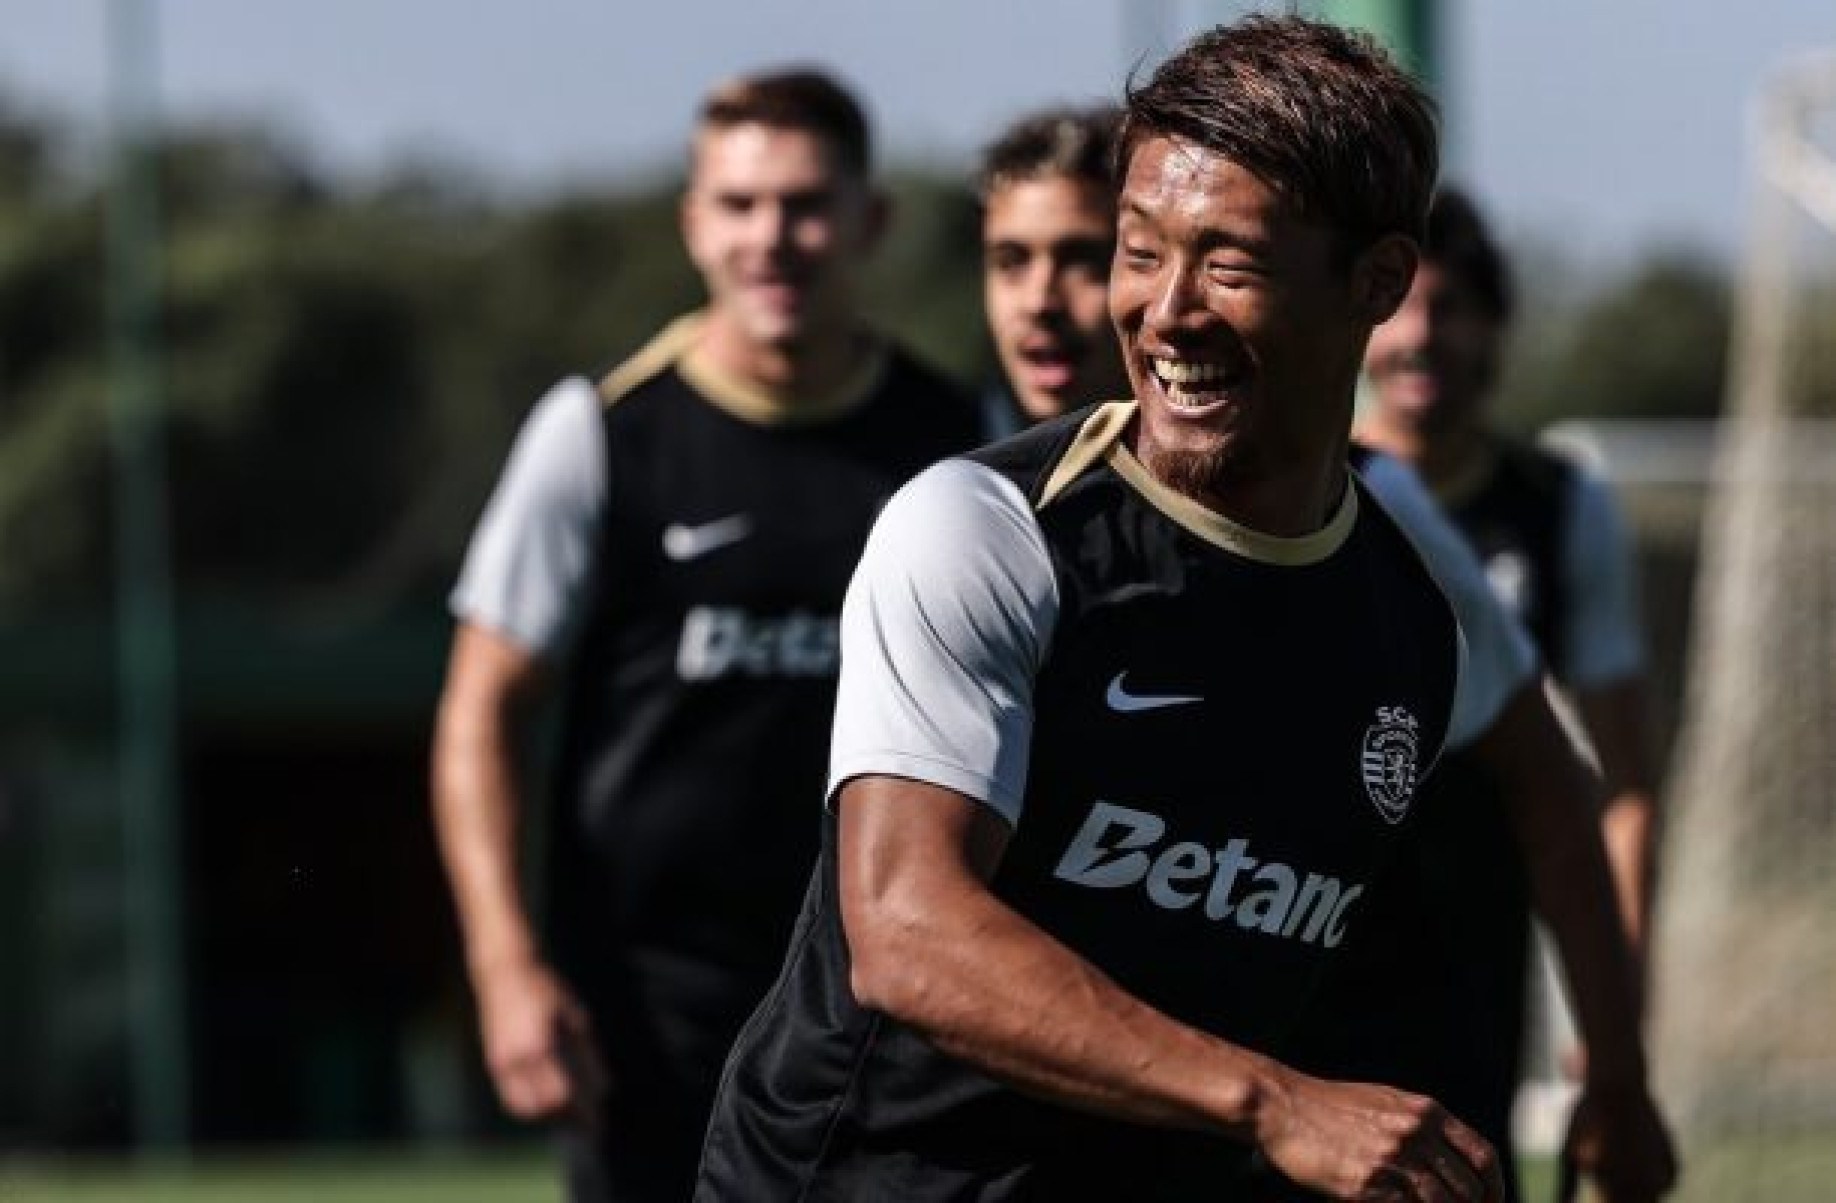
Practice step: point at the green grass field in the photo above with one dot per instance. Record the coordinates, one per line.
(515, 1178)
(381, 1181)
(1788, 1173)
(519, 1178)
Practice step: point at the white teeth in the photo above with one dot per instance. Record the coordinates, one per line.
(1182, 398)
(1174, 371)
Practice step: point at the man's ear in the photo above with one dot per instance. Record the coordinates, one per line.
(1382, 275)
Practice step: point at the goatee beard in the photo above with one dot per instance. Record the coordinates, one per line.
(1204, 476)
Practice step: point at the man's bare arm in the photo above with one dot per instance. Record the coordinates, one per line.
(536, 1037)
(478, 736)
(1630, 822)
(934, 948)
(1551, 796)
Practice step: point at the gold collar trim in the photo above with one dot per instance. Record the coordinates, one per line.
(1100, 438)
(751, 403)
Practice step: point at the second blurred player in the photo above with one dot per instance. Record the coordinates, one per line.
(1048, 235)
(668, 550)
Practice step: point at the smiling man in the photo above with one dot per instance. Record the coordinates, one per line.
(1134, 709)
(668, 550)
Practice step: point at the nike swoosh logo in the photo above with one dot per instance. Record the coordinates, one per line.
(1123, 702)
(681, 543)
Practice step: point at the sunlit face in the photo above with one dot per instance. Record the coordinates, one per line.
(1241, 334)
(1432, 364)
(1047, 243)
(777, 228)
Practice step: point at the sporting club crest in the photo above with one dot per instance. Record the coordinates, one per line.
(1389, 760)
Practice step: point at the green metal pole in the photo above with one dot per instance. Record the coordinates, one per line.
(1407, 27)
(159, 1045)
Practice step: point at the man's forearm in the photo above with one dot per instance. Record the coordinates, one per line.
(477, 796)
(1574, 898)
(475, 816)
(1629, 829)
(1552, 795)
(1614, 715)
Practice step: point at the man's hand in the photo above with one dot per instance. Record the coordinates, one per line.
(1617, 1139)
(1357, 1141)
(539, 1044)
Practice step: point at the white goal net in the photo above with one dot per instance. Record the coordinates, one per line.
(1746, 989)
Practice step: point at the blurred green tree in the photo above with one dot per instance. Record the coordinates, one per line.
(343, 368)
(1652, 343)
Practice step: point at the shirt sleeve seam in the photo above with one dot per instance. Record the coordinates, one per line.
(972, 783)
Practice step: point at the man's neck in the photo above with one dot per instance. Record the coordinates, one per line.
(1289, 504)
(805, 373)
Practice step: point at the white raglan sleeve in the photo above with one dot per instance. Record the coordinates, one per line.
(1497, 658)
(945, 624)
(530, 565)
(1601, 644)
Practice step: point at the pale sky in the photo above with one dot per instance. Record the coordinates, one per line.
(1599, 127)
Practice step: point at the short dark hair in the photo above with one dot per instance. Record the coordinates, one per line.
(796, 98)
(1459, 241)
(1076, 143)
(1319, 113)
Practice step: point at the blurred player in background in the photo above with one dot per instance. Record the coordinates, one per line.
(1557, 555)
(1048, 195)
(667, 551)
(994, 969)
